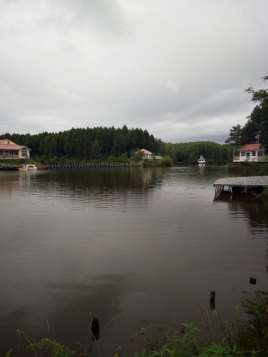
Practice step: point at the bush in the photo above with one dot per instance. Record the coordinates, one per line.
(242, 338)
(166, 161)
(187, 344)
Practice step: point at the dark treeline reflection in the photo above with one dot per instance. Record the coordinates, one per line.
(257, 218)
(257, 213)
(136, 179)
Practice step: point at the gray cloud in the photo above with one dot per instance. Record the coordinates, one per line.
(106, 15)
(177, 68)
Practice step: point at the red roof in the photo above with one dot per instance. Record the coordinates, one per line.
(251, 147)
(13, 147)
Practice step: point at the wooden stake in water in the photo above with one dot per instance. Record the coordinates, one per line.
(212, 299)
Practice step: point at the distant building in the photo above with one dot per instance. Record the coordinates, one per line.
(201, 161)
(10, 150)
(251, 153)
(146, 154)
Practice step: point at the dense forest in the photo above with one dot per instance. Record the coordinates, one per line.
(89, 143)
(256, 127)
(104, 142)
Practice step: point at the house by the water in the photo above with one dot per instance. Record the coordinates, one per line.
(10, 150)
(148, 155)
(251, 153)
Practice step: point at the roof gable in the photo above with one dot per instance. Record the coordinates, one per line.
(6, 144)
(144, 151)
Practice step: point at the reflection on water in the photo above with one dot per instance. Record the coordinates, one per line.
(256, 213)
(134, 247)
(105, 187)
(256, 216)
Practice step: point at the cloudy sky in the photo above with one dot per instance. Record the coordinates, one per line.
(175, 67)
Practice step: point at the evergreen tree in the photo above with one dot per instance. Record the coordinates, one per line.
(84, 143)
(257, 123)
(235, 135)
(95, 151)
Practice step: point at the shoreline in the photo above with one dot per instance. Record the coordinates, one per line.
(245, 335)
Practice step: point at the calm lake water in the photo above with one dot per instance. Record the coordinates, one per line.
(136, 248)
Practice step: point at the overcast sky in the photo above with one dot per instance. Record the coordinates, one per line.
(175, 67)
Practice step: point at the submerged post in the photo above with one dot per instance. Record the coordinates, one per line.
(212, 303)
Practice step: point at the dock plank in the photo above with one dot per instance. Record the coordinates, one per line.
(247, 181)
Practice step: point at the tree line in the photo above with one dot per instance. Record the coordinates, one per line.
(89, 143)
(107, 142)
(256, 127)
(188, 153)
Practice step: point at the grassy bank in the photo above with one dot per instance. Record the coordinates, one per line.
(13, 164)
(166, 161)
(243, 337)
(248, 168)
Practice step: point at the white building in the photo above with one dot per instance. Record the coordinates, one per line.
(146, 154)
(10, 150)
(251, 153)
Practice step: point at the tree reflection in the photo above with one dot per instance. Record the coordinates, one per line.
(257, 213)
(80, 182)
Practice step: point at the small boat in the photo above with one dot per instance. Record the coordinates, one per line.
(28, 167)
(201, 161)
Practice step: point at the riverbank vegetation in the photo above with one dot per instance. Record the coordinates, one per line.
(13, 164)
(242, 337)
(115, 144)
(188, 153)
(248, 168)
(165, 161)
(245, 337)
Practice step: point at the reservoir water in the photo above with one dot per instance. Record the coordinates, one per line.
(134, 247)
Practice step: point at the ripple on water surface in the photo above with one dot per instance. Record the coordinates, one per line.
(134, 247)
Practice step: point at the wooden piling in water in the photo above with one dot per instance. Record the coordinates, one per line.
(212, 300)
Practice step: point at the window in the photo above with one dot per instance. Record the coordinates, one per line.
(243, 153)
(253, 153)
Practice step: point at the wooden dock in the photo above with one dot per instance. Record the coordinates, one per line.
(241, 185)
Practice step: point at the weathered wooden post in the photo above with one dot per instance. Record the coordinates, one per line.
(252, 281)
(95, 328)
(212, 299)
